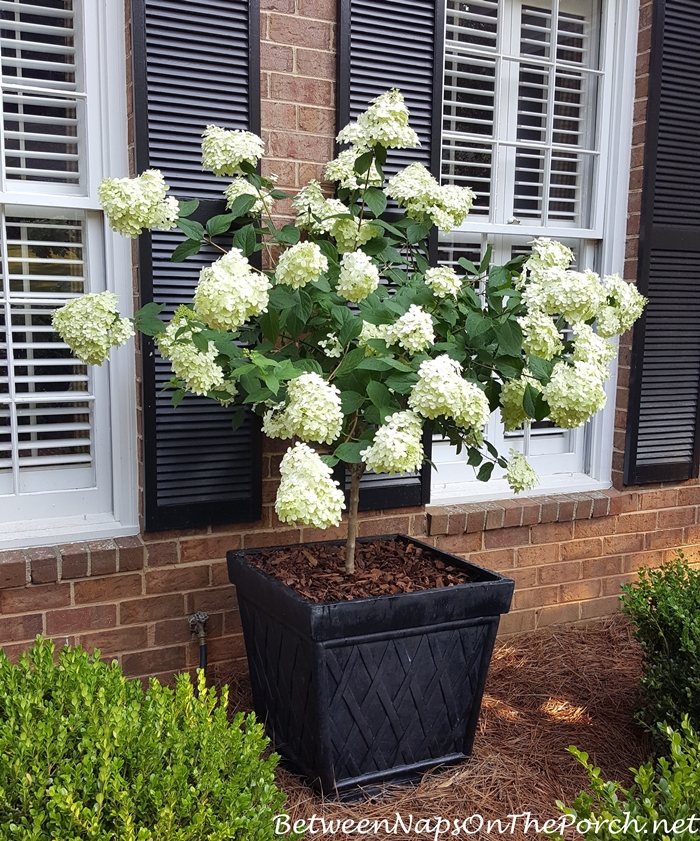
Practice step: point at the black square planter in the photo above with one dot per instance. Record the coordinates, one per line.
(367, 691)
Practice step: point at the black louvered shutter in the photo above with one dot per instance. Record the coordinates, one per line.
(662, 428)
(386, 44)
(196, 62)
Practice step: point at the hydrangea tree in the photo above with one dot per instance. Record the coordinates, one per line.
(348, 342)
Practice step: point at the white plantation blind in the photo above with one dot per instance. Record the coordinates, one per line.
(522, 96)
(43, 94)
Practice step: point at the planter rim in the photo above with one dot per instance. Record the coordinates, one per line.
(495, 578)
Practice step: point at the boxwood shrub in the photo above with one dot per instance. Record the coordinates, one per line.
(664, 608)
(87, 754)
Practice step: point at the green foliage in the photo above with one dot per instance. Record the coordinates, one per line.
(87, 754)
(664, 607)
(659, 805)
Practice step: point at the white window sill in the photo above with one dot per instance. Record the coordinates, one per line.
(65, 530)
(562, 483)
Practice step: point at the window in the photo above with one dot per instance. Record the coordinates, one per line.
(528, 123)
(59, 472)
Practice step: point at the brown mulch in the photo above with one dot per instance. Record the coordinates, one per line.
(382, 568)
(546, 690)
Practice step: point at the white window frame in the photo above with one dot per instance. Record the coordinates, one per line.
(106, 131)
(610, 225)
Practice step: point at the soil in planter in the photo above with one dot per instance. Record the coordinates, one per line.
(382, 568)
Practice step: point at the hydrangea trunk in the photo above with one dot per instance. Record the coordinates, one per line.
(356, 471)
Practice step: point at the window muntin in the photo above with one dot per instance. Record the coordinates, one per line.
(522, 99)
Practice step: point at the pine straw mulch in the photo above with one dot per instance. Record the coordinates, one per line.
(546, 690)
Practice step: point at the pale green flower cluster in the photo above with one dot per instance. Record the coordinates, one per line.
(242, 187)
(224, 151)
(313, 413)
(540, 335)
(415, 189)
(307, 493)
(319, 215)
(230, 292)
(519, 474)
(331, 346)
(197, 368)
(444, 281)
(134, 204)
(413, 331)
(90, 326)
(342, 170)
(574, 393)
(548, 254)
(301, 264)
(624, 305)
(385, 122)
(397, 446)
(372, 331)
(441, 390)
(590, 347)
(576, 296)
(359, 277)
(513, 416)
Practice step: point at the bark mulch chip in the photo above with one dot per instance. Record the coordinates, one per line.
(382, 568)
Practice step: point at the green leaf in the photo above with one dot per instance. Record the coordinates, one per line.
(391, 255)
(177, 397)
(510, 337)
(259, 396)
(509, 367)
(281, 298)
(308, 365)
(148, 310)
(486, 262)
(375, 199)
(415, 232)
(530, 400)
(401, 383)
(485, 471)
(468, 265)
(192, 230)
(380, 152)
(351, 329)
(350, 401)
(350, 362)
(474, 458)
(187, 208)
(237, 418)
(219, 224)
(350, 452)
(379, 394)
(477, 323)
(541, 368)
(280, 194)
(331, 461)
(200, 342)
(270, 324)
(374, 246)
(146, 320)
(363, 163)
(289, 234)
(328, 249)
(272, 383)
(244, 238)
(381, 363)
(185, 249)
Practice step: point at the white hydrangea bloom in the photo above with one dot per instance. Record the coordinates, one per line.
(243, 187)
(623, 307)
(90, 326)
(415, 189)
(574, 393)
(577, 296)
(385, 122)
(540, 335)
(331, 346)
(413, 331)
(317, 214)
(350, 234)
(342, 170)
(307, 493)
(548, 254)
(230, 292)
(397, 446)
(301, 264)
(444, 281)
(313, 413)
(513, 416)
(199, 370)
(441, 390)
(134, 204)
(224, 151)
(520, 476)
(359, 277)
(590, 347)
(372, 331)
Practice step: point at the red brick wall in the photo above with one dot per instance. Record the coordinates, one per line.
(567, 553)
